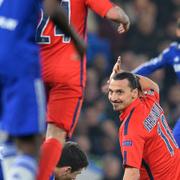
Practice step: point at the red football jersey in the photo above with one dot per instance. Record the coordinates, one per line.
(60, 61)
(146, 140)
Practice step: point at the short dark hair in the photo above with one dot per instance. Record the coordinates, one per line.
(132, 79)
(73, 156)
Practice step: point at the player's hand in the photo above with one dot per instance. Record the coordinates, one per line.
(118, 15)
(116, 69)
(117, 66)
(124, 24)
(123, 28)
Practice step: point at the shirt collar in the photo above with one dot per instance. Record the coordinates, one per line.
(125, 113)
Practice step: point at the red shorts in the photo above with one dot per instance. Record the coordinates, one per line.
(64, 79)
(64, 105)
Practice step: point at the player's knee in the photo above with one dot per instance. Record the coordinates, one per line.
(55, 132)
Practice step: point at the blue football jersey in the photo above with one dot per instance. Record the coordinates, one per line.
(176, 132)
(19, 54)
(169, 57)
(22, 100)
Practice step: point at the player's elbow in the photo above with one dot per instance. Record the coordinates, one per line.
(113, 13)
(156, 87)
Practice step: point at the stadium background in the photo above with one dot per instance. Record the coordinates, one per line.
(153, 24)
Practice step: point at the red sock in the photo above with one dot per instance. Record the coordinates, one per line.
(51, 151)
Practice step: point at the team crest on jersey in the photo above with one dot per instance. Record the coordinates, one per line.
(127, 143)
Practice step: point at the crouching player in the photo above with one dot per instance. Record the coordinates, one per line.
(72, 162)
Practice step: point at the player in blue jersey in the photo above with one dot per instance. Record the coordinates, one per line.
(169, 57)
(21, 92)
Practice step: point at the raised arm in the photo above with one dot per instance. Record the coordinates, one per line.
(57, 15)
(118, 15)
(145, 82)
(156, 63)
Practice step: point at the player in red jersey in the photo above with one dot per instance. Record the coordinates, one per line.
(58, 16)
(148, 147)
(64, 73)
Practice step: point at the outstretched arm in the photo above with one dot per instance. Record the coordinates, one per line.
(57, 15)
(156, 63)
(110, 11)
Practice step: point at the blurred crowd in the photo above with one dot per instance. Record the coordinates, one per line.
(153, 24)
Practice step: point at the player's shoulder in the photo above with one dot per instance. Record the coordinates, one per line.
(168, 53)
(172, 49)
(137, 114)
